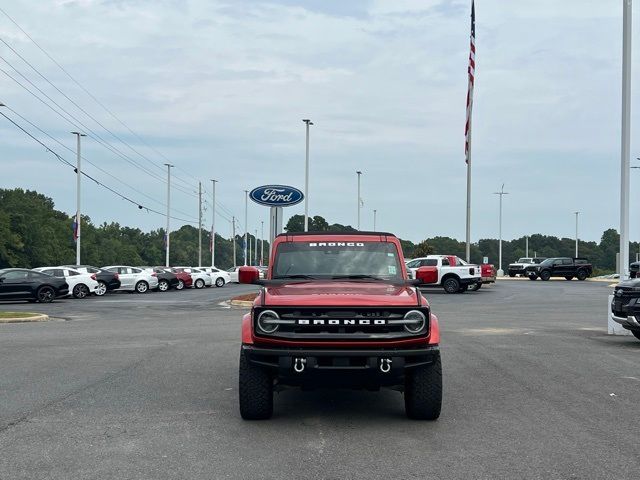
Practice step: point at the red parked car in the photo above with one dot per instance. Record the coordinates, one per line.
(337, 309)
(184, 279)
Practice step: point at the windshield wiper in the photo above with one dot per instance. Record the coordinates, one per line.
(356, 277)
(297, 276)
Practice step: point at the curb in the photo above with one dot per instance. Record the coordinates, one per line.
(241, 303)
(554, 279)
(34, 318)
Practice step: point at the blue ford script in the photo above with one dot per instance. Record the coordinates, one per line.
(276, 195)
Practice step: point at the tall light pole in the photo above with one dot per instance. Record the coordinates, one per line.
(233, 230)
(526, 246)
(213, 224)
(306, 179)
(166, 233)
(199, 224)
(78, 196)
(246, 224)
(255, 248)
(374, 219)
(359, 198)
(625, 140)
(501, 193)
(261, 243)
(576, 214)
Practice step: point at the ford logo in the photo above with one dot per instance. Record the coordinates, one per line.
(276, 195)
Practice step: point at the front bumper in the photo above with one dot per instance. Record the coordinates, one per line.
(626, 314)
(351, 368)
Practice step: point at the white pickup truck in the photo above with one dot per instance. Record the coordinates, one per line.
(448, 271)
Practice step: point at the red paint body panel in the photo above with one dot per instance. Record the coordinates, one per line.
(488, 273)
(427, 274)
(185, 277)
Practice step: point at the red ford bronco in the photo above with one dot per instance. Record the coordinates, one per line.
(337, 310)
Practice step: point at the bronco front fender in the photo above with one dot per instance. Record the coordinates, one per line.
(247, 337)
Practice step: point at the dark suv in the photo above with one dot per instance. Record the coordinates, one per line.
(626, 305)
(566, 267)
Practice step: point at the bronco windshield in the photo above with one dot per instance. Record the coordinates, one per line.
(335, 260)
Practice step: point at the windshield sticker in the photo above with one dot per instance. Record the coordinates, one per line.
(392, 269)
(336, 244)
(390, 255)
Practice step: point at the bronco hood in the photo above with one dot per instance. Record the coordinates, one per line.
(340, 293)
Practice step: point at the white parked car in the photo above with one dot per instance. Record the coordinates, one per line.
(134, 279)
(219, 277)
(233, 274)
(81, 285)
(200, 278)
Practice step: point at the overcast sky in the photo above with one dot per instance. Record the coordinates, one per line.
(220, 89)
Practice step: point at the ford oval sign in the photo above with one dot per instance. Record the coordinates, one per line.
(276, 195)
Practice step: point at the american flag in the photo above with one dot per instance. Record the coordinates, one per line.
(472, 72)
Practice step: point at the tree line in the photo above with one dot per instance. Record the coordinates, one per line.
(33, 233)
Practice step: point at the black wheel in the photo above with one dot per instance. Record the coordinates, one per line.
(545, 275)
(102, 289)
(163, 285)
(255, 391)
(142, 287)
(533, 277)
(423, 391)
(180, 285)
(46, 294)
(582, 275)
(636, 333)
(451, 285)
(80, 291)
(568, 277)
(475, 287)
(199, 283)
(219, 282)
(512, 275)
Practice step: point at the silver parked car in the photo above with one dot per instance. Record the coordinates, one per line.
(134, 279)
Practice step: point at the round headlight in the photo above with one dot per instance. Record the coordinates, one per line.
(265, 320)
(417, 319)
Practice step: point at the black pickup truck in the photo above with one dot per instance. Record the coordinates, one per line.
(566, 267)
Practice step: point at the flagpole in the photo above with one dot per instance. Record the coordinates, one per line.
(471, 73)
(468, 246)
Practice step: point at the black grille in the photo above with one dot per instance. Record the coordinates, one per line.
(372, 329)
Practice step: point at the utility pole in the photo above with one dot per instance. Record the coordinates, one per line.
(306, 179)
(526, 246)
(625, 141)
(246, 226)
(199, 224)
(255, 248)
(576, 214)
(501, 193)
(262, 243)
(249, 252)
(166, 233)
(78, 196)
(374, 219)
(233, 228)
(213, 225)
(359, 198)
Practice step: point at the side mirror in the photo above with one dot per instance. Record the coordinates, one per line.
(248, 275)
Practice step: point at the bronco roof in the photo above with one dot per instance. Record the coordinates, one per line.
(351, 234)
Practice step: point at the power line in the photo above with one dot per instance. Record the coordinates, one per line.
(112, 190)
(86, 91)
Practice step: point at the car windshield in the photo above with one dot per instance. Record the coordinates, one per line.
(362, 260)
(524, 260)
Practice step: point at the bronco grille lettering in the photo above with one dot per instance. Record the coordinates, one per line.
(341, 321)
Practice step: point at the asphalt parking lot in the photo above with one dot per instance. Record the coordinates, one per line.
(131, 386)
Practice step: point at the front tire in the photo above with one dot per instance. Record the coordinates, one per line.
(142, 287)
(255, 391)
(219, 282)
(102, 289)
(451, 285)
(512, 275)
(180, 285)
(545, 275)
(46, 294)
(423, 391)
(533, 277)
(582, 275)
(80, 291)
(163, 285)
(199, 283)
